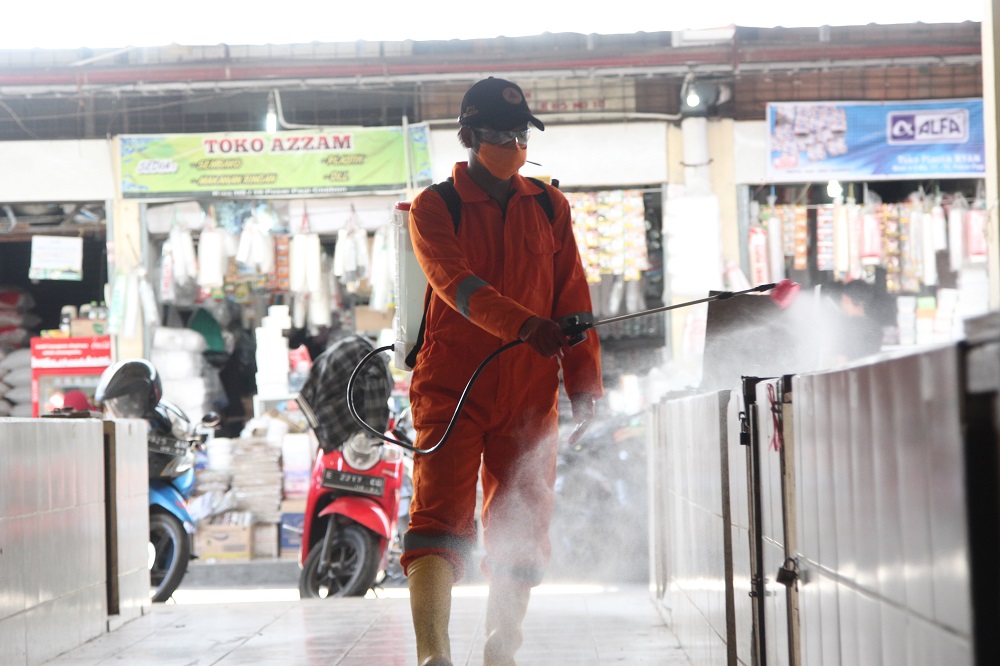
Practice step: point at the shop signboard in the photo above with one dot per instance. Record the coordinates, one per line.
(858, 141)
(65, 372)
(259, 164)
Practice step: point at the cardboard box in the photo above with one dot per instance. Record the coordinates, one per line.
(88, 328)
(223, 542)
(293, 516)
(265, 540)
(366, 319)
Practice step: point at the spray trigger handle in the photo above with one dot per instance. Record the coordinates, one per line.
(575, 326)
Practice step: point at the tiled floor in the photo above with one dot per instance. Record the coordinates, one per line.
(581, 626)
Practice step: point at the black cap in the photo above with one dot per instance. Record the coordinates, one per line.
(497, 104)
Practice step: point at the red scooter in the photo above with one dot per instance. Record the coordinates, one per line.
(349, 531)
(352, 514)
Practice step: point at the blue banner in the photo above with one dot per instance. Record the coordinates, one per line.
(810, 141)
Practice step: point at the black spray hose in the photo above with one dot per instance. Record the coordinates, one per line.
(454, 417)
(575, 329)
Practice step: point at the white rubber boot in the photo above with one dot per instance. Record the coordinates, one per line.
(505, 610)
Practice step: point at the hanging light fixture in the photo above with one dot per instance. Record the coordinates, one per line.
(271, 119)
(689, 92)
(700, 96)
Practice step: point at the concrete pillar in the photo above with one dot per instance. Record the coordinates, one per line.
(991, 119)
(126, 248)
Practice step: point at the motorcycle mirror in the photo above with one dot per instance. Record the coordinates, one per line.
(211, 420)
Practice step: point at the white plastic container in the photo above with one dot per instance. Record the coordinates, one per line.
(410, 286)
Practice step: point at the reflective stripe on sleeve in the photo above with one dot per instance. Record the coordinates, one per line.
(466, 289)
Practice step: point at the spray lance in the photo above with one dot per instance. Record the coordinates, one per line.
(575, 327)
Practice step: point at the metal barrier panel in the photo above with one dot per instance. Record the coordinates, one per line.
(741, 528)
(775, 448)
(861, 481)
(127, 518)
(691, 543)
(52, 563)
(883, 547)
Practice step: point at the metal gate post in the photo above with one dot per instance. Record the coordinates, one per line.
(789, 517)
(750, 437)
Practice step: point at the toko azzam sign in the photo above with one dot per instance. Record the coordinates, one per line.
(875, 141)
(257, 164)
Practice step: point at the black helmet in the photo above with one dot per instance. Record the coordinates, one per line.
(129, 389)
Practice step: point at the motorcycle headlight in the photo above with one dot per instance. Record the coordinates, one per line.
(362, 452)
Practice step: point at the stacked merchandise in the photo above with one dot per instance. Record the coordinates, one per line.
(272, 352)
(16, 325)
(212, 481)
(240, 486)
(178, 355)
(610, 230)
(909, 241)
(296, 465)
(256, 483)
(16, 319)
(15, 383)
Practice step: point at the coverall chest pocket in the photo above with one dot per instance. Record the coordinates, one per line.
(541, 241)
(538, 268)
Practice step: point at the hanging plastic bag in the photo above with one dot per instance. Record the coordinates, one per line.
(382, 272)
(319, 310)
(757, 251)
(928, 243)
(130, 327)
(304, 263)
(166, 282)
(116, 308)
(956, 231)
(870, 249)
(147, 299)
(939, 226)
(212, 254)
(212, 258)
(185, 263)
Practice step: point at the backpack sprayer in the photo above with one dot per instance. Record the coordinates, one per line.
(575, 328)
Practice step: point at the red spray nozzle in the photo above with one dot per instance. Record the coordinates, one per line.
(784, 293)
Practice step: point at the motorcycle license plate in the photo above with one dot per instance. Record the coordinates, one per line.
(166, 445)
(358, 483)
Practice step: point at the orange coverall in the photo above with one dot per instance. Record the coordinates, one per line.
(502, 268)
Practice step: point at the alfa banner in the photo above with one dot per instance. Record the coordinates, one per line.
(258, 164)
(875, 141)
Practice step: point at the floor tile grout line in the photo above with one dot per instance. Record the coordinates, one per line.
(146, 635)
(259, 631)
(377, 620)
(480, 631)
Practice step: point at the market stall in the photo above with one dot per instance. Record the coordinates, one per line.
(54, 203)
(890, 195)
(259, 249)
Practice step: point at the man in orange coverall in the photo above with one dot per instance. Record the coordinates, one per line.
(508, 271)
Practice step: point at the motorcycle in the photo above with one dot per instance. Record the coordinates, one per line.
(599, 525)
(132, 389)
(356, 511)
